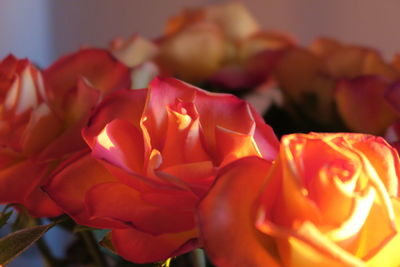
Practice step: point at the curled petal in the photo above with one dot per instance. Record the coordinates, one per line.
(125, 105)
(386, 252)
(121, 144)
(226, 221)
(69, 186)
(97, 66)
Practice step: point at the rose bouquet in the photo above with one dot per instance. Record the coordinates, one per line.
(119, 148)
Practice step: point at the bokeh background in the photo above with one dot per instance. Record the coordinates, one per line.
(45, 29)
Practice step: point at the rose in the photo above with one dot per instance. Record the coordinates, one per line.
(233, 19)
(24, 114)
(76, 83)
(41, 119)
(154, 155)
(310, 78)
(221, 44)
(328, 199)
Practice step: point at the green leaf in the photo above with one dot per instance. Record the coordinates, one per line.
(17, 242)
(4, 216)
(23, 220)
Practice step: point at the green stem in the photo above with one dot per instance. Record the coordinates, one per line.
(93, 249)
(198, 258)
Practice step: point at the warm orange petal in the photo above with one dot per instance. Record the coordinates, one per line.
(234, 19)
(232, 145)
(323, 47)
(134, 51)
(125, 105)
(194, 53)
(141, 247)
(19, 179)
(387, 252)
(40, 205)
(183, 134)
(225, 217)
(382, 157)
(121, 144)
(197, 175)
(42, 129)
(119, 202)
(346, 61)
(362, 106)
(96, 65)
(69, 186)
(78, 105)
(163, 93)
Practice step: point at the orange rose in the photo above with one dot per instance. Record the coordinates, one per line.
(312, 78)
(41, 118)
(222, 44)
(154, 156)
(233, 19)
(328, 199)
(362, 105)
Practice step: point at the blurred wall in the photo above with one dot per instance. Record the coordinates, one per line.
(46, 29)
(25, 29)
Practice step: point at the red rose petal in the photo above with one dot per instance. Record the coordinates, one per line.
(141, 247)
(227, 227)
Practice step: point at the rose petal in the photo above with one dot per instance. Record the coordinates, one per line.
(193, 53)
(96, 65)
(40, 205)
(183, 134)
(362, 106)
(121, 144)
(392, 95)
(135, 51)
(125, 105)
(116, 201)
(69, 186)
(233, 145)
(227, 227)
(234, 19)
(141, 247)
(197, 175)
(163, 92)
(43, 128)
(12, 187)
(79, 103)
(382, 156)
(387, 251)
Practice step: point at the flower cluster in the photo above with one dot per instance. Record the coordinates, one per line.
(109, 139)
